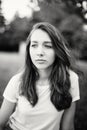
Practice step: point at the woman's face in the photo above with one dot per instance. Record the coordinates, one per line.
(41, 50)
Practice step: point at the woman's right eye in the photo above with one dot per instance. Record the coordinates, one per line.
(33, 45)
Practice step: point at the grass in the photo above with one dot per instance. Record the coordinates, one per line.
(10, 63)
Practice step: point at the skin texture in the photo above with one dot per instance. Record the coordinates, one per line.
(41, 51)
(42, 54)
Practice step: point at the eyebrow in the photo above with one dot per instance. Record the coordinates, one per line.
(34, 41)
(47, 42)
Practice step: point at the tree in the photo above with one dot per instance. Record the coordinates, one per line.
(78, 7)
(2, 20)
(68, 21)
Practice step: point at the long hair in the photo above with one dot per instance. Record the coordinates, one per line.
(59, 78)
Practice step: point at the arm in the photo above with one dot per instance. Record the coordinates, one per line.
(68, 118)
(5, 112)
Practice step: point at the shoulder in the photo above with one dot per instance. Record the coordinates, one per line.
(16, 78)
(73, 75)
(12, 89)
(14, 83)
(74, 79)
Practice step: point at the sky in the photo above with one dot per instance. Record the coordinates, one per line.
(10, 7)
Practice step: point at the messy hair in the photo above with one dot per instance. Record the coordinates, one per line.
(59, 77)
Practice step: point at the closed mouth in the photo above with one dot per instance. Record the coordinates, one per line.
(40, 60)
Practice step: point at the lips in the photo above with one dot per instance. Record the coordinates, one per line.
(40, 60)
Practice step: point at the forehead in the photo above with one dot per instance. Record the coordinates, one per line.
(40, 35)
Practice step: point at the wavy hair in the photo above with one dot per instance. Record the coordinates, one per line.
(59, 77)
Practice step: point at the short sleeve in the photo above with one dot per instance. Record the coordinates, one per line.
(74, 90)
(11, 91)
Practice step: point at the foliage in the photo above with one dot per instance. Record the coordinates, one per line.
(73, 6)
(15, 32)
(61, 13)
(68, 22)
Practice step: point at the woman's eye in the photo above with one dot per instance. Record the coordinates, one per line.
(48, 46)
(34, 45)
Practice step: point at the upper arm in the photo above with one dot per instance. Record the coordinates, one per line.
(67, 122)
(10, 94)
(5, 111)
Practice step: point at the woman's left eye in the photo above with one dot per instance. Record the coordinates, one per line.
(48, 46)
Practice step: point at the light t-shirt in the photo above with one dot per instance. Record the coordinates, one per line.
(43, 116)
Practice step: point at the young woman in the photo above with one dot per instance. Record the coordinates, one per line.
(44, 95)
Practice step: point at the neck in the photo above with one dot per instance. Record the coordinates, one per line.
(44, 77)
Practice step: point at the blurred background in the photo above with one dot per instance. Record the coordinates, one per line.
(16, 20)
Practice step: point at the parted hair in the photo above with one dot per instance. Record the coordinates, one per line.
(59, 77)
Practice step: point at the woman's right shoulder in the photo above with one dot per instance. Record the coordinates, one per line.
(17, 77)
(15, 80)
(12, 89)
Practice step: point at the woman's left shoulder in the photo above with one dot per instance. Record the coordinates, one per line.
(73, 75)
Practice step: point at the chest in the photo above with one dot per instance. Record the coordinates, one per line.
(43, 112)
(44, 105)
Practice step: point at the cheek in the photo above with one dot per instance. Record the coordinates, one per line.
(52, 57)
(31, 52)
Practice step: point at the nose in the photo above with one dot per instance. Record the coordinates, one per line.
(40, 51)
